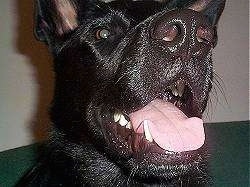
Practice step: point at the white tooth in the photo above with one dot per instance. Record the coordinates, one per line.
(174, 90)
(175, 93)
(117, 116)
(175, 103)
(123, 122)
(129, 125)
(180, 87)
(180, 93)
(146, 131)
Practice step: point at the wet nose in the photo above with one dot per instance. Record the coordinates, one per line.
(178, 30)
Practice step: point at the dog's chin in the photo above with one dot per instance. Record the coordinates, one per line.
(136, 149)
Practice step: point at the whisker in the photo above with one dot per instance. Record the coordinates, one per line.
(212, 103)
(217, 86)
(120, 78)
(208, 111)
(221, 86)
(217, 90)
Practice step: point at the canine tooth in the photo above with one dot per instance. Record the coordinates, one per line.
(180, 87)
(174, 90)
(117, 116)
(123, 122)
(129, 125)
(176, 93)
(147, 132)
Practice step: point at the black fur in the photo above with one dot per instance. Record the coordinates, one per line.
(125, 71)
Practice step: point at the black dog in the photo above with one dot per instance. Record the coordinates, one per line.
(132, 82)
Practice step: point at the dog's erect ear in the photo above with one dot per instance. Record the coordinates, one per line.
(54, 18)
(212, 9)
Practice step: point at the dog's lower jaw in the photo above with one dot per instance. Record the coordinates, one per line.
(84, 165)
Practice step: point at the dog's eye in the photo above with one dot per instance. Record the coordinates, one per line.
(102, 34)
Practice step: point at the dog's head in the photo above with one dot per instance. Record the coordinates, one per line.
(133, 78)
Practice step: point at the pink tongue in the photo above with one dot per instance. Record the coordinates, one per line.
(170, 128)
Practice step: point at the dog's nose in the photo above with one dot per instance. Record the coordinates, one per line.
(181, 31)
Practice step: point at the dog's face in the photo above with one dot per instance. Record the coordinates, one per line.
(133, 78)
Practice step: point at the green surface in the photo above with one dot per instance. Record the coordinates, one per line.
(230, 154)
(229, 145)
(14, 163)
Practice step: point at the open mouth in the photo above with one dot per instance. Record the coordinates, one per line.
(180, 94)
(163, 126)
